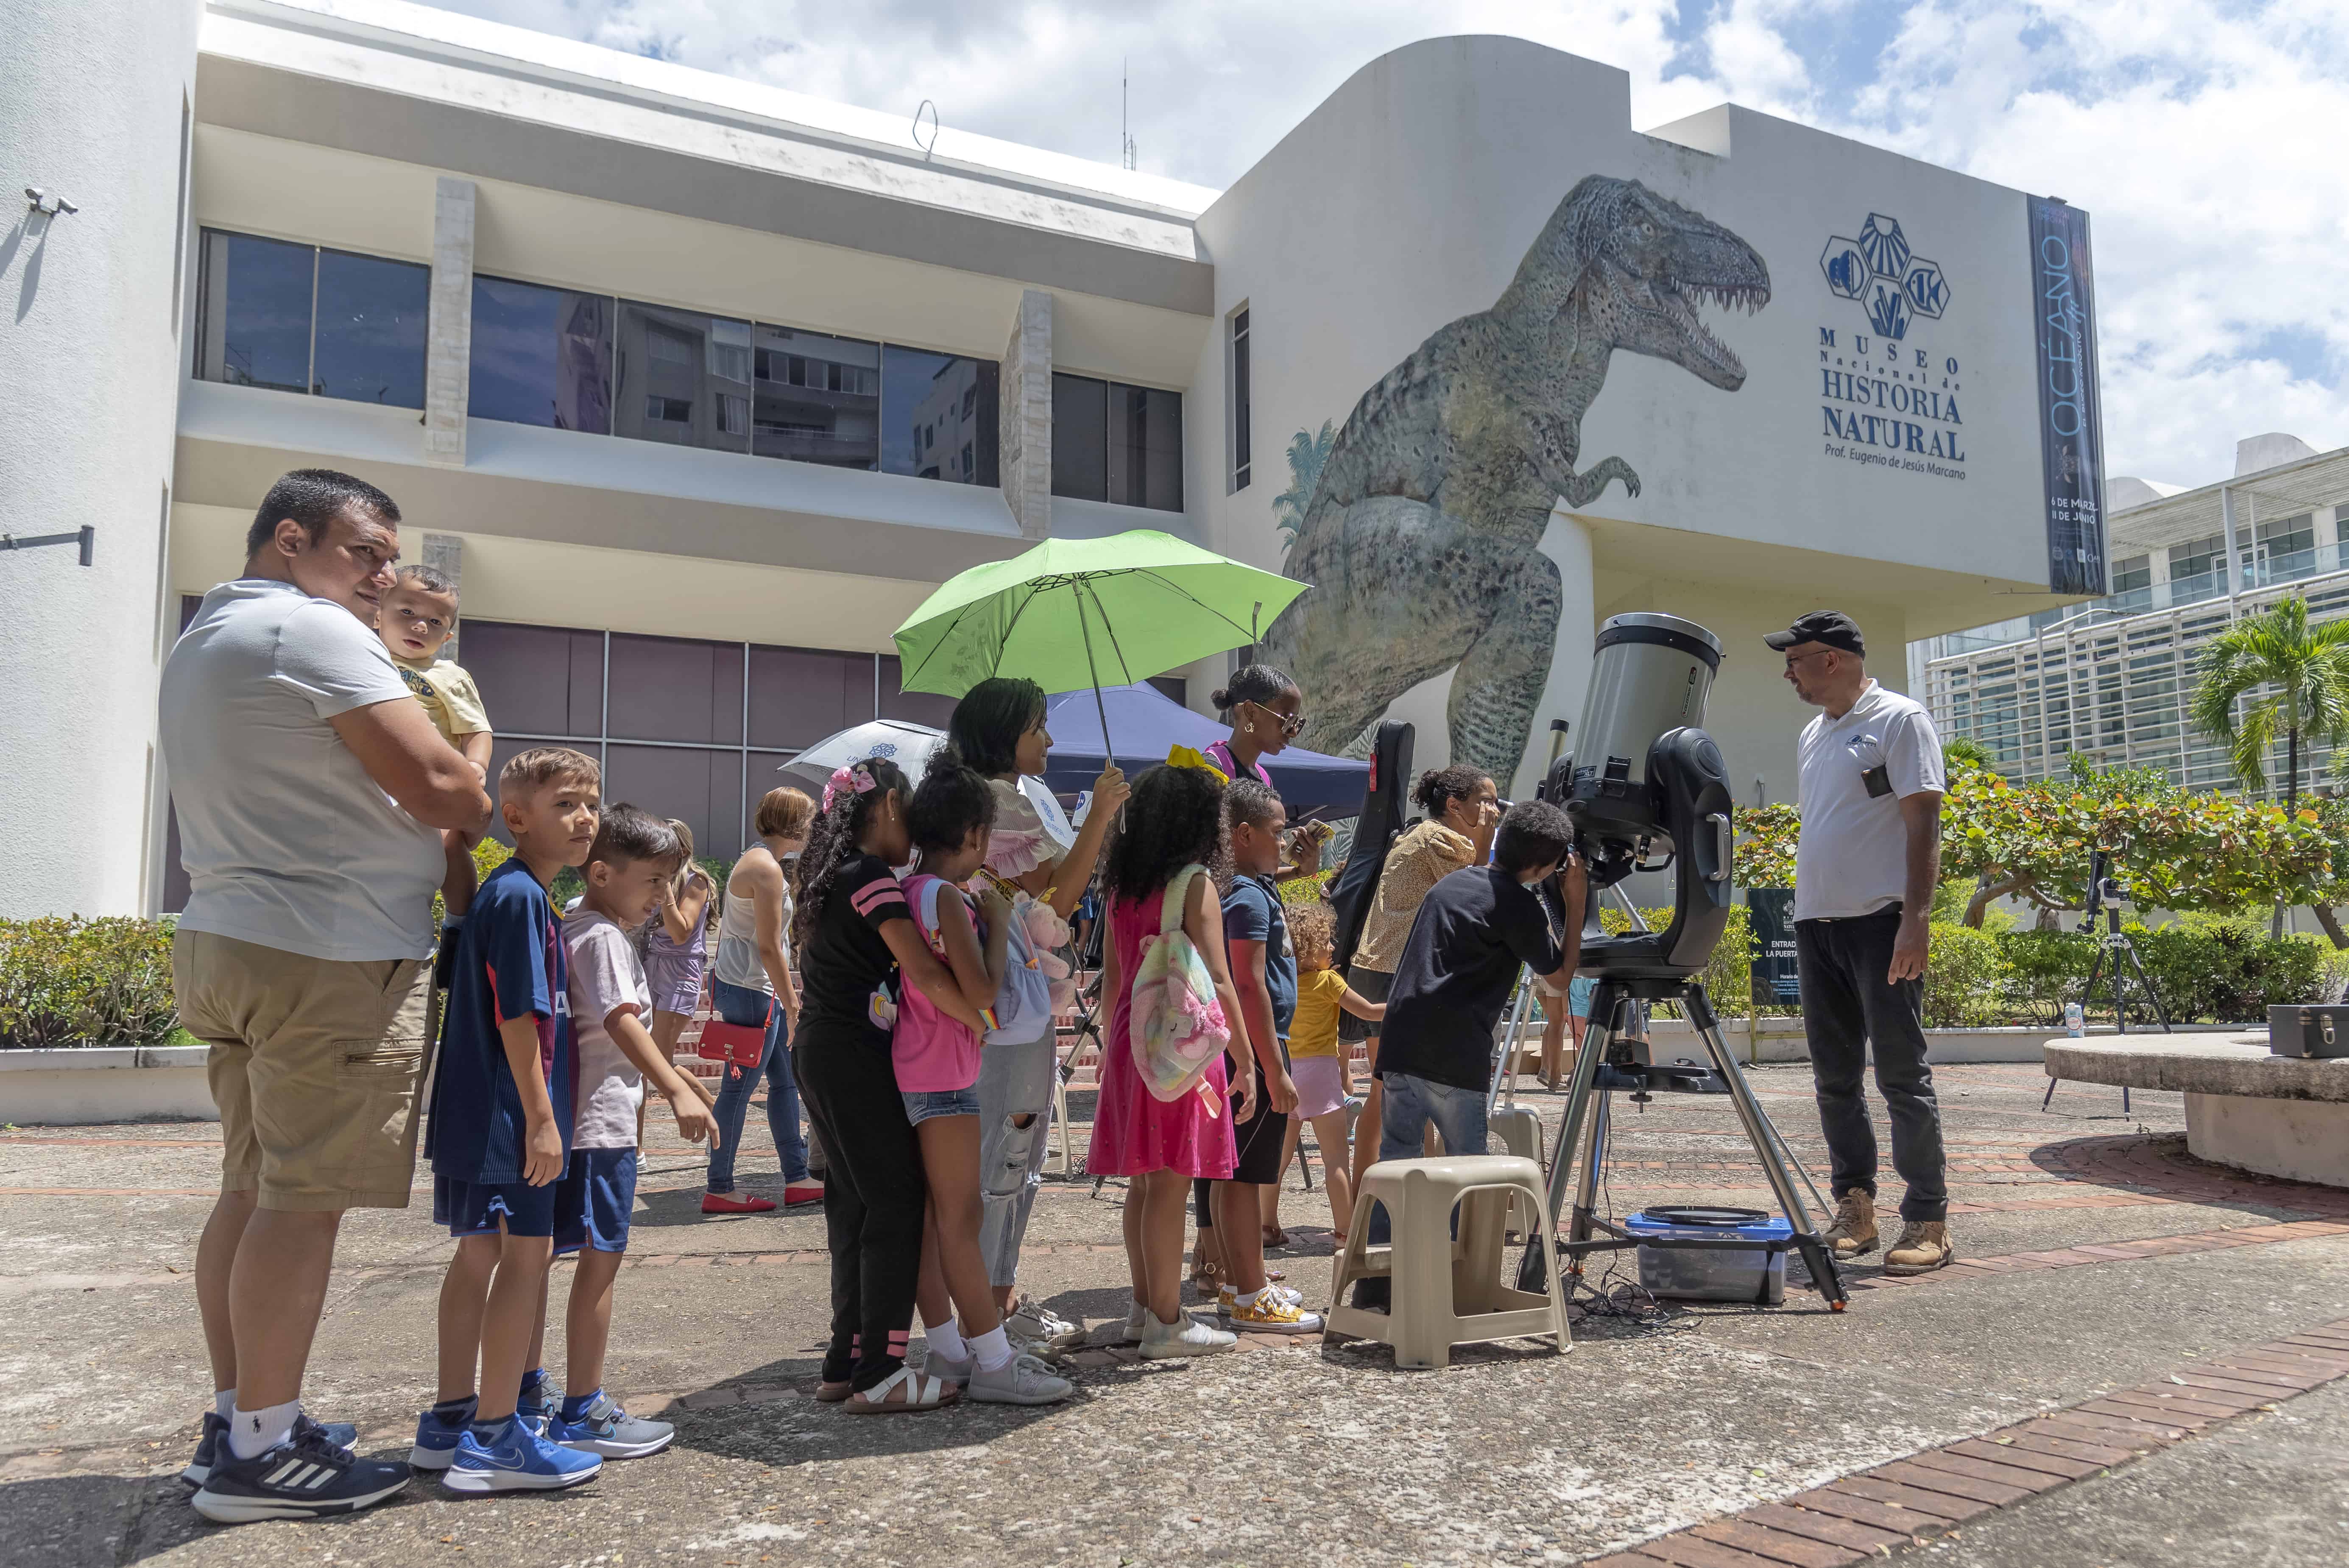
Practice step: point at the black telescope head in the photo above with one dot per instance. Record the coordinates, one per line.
(1681, 821)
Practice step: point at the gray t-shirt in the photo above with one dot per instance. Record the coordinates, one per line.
(286, 841)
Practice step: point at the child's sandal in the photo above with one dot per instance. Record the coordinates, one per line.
(920, 1391)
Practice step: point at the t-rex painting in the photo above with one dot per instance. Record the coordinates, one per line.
(1422, 534)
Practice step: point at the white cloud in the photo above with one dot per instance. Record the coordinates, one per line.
(2204, 136)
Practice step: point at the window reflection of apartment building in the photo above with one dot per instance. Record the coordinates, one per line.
(944, 430)
(685, 378)
(819, 398)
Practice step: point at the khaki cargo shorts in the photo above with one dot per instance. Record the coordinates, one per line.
(313, 1065)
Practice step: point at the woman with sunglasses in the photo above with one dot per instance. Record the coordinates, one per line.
(1266, 711)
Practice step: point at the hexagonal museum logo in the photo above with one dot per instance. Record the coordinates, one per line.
(1880, 274)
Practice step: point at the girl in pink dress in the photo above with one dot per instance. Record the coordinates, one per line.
(1174, 821)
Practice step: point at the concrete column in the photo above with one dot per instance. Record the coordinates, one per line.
(95, 107)
(1568, 542)
(1026, 442)
(449, 337)
(445, 553)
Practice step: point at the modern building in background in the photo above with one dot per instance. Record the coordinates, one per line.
(699, 386)
(2113, 678)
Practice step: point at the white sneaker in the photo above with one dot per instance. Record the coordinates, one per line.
(1039, 1325)
(1137, 1325)
(1167, 1341)
(1228, 1298)
(1022, 1380)
(1267, 1313)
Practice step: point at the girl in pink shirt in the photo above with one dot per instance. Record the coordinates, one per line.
(937, 1061)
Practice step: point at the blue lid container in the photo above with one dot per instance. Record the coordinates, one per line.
(1698, 1274)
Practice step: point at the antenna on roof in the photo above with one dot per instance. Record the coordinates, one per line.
(931, 145)
(1127, 153)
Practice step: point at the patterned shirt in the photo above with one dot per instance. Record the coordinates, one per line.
(1420, 859)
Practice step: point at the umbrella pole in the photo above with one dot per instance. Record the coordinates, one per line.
(1109, 752)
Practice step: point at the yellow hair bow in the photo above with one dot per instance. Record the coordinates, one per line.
(1184, 757)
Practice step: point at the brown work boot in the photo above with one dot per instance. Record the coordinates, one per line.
(1854, 1230)
(1924, 1245)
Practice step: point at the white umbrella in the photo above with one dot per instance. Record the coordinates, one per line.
(908, 745)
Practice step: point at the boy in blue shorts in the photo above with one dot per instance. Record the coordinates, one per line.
(503, 1100)
(635, 855)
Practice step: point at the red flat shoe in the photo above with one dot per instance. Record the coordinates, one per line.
(796, 1193)
(735, 1204)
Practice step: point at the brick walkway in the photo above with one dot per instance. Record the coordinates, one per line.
(1910, 1501)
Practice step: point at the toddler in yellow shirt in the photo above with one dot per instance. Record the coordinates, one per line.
(417, 618)
(1317, 1063)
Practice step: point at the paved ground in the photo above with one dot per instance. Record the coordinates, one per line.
(2098, 1258)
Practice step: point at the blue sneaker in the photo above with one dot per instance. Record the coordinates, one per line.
(436, 1440)
(602, 1427)
(515, 1459)
(209, 1446)
(537, 1405)
(303, 1477)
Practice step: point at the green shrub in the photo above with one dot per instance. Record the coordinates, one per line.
(2043, 970)
(2215, 969)
(67, 981)
(1965, 976)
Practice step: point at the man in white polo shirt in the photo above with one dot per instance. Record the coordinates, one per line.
(1865, 870)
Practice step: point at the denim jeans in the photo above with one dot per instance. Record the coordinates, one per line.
(1411, 1104)
(742, 1005)
(1849, 1006)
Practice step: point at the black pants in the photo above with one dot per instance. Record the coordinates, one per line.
(1847, 1005)
(873, 1199)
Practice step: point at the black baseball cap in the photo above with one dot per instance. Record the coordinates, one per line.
(1831, 627)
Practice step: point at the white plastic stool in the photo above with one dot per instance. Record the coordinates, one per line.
(1447, 1291)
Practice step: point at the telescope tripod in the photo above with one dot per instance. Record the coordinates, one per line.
(1586, 1108)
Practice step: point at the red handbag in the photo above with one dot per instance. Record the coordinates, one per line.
(741, 1044)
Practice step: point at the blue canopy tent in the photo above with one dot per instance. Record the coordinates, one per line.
(1145, 723)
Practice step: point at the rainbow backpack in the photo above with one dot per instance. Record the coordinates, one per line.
(1178, 1027)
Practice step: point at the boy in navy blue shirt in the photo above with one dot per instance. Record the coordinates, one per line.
(502, 1101)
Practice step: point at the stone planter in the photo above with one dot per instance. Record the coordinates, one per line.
(105, 1083)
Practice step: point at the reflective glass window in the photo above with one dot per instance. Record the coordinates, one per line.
(370, 332)
(818, 398)
(254, 312)
(542, 356)
(684, 377)
(1145, 447)
(1080, 438)
(938, 416)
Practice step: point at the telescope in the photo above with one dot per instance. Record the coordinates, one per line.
(1648, 791)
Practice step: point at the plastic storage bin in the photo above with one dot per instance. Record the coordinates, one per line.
(1696, 1274)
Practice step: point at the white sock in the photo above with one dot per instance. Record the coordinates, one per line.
(945, 1339)
(223, 1402)
(993, 1349)
(252, 1432)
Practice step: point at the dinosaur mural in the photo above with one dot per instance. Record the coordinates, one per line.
(1420, 530)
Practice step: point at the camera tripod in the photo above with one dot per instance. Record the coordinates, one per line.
(1606, 1063)
(2106, 896)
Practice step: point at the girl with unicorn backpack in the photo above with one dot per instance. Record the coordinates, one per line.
(1175, 1034)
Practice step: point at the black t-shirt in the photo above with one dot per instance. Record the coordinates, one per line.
(846, 958)
(1473, 929)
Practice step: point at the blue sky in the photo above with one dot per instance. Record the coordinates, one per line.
(2204, 136)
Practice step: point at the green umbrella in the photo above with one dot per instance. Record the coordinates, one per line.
(1073, 611)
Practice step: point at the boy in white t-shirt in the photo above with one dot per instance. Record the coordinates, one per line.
(633, 856)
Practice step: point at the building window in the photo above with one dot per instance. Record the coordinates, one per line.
(934, 401)
(542, 356)
(676, 369)
(818, 398)
(296, 318)
(2131, 572)
(2287, 536)
(1240, 452)
(1117, 443)
(2198, 557)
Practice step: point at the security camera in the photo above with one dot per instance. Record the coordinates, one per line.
(48, 203)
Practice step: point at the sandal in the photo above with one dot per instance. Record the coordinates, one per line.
(1206, 1274)
(1273, 1236)
(921, 1391)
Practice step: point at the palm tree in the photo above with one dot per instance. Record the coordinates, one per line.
(1307, 453)
(2296, 678)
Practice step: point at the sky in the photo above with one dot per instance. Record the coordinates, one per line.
(2204, 137)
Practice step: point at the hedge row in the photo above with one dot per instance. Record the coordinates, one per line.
(2223, 971)
(67, 981)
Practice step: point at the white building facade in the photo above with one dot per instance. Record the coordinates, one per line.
(700, 388)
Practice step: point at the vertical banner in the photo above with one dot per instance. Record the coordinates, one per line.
(2071, 429)
(1777, 984)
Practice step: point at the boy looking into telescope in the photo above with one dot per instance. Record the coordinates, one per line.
(1458, 969)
